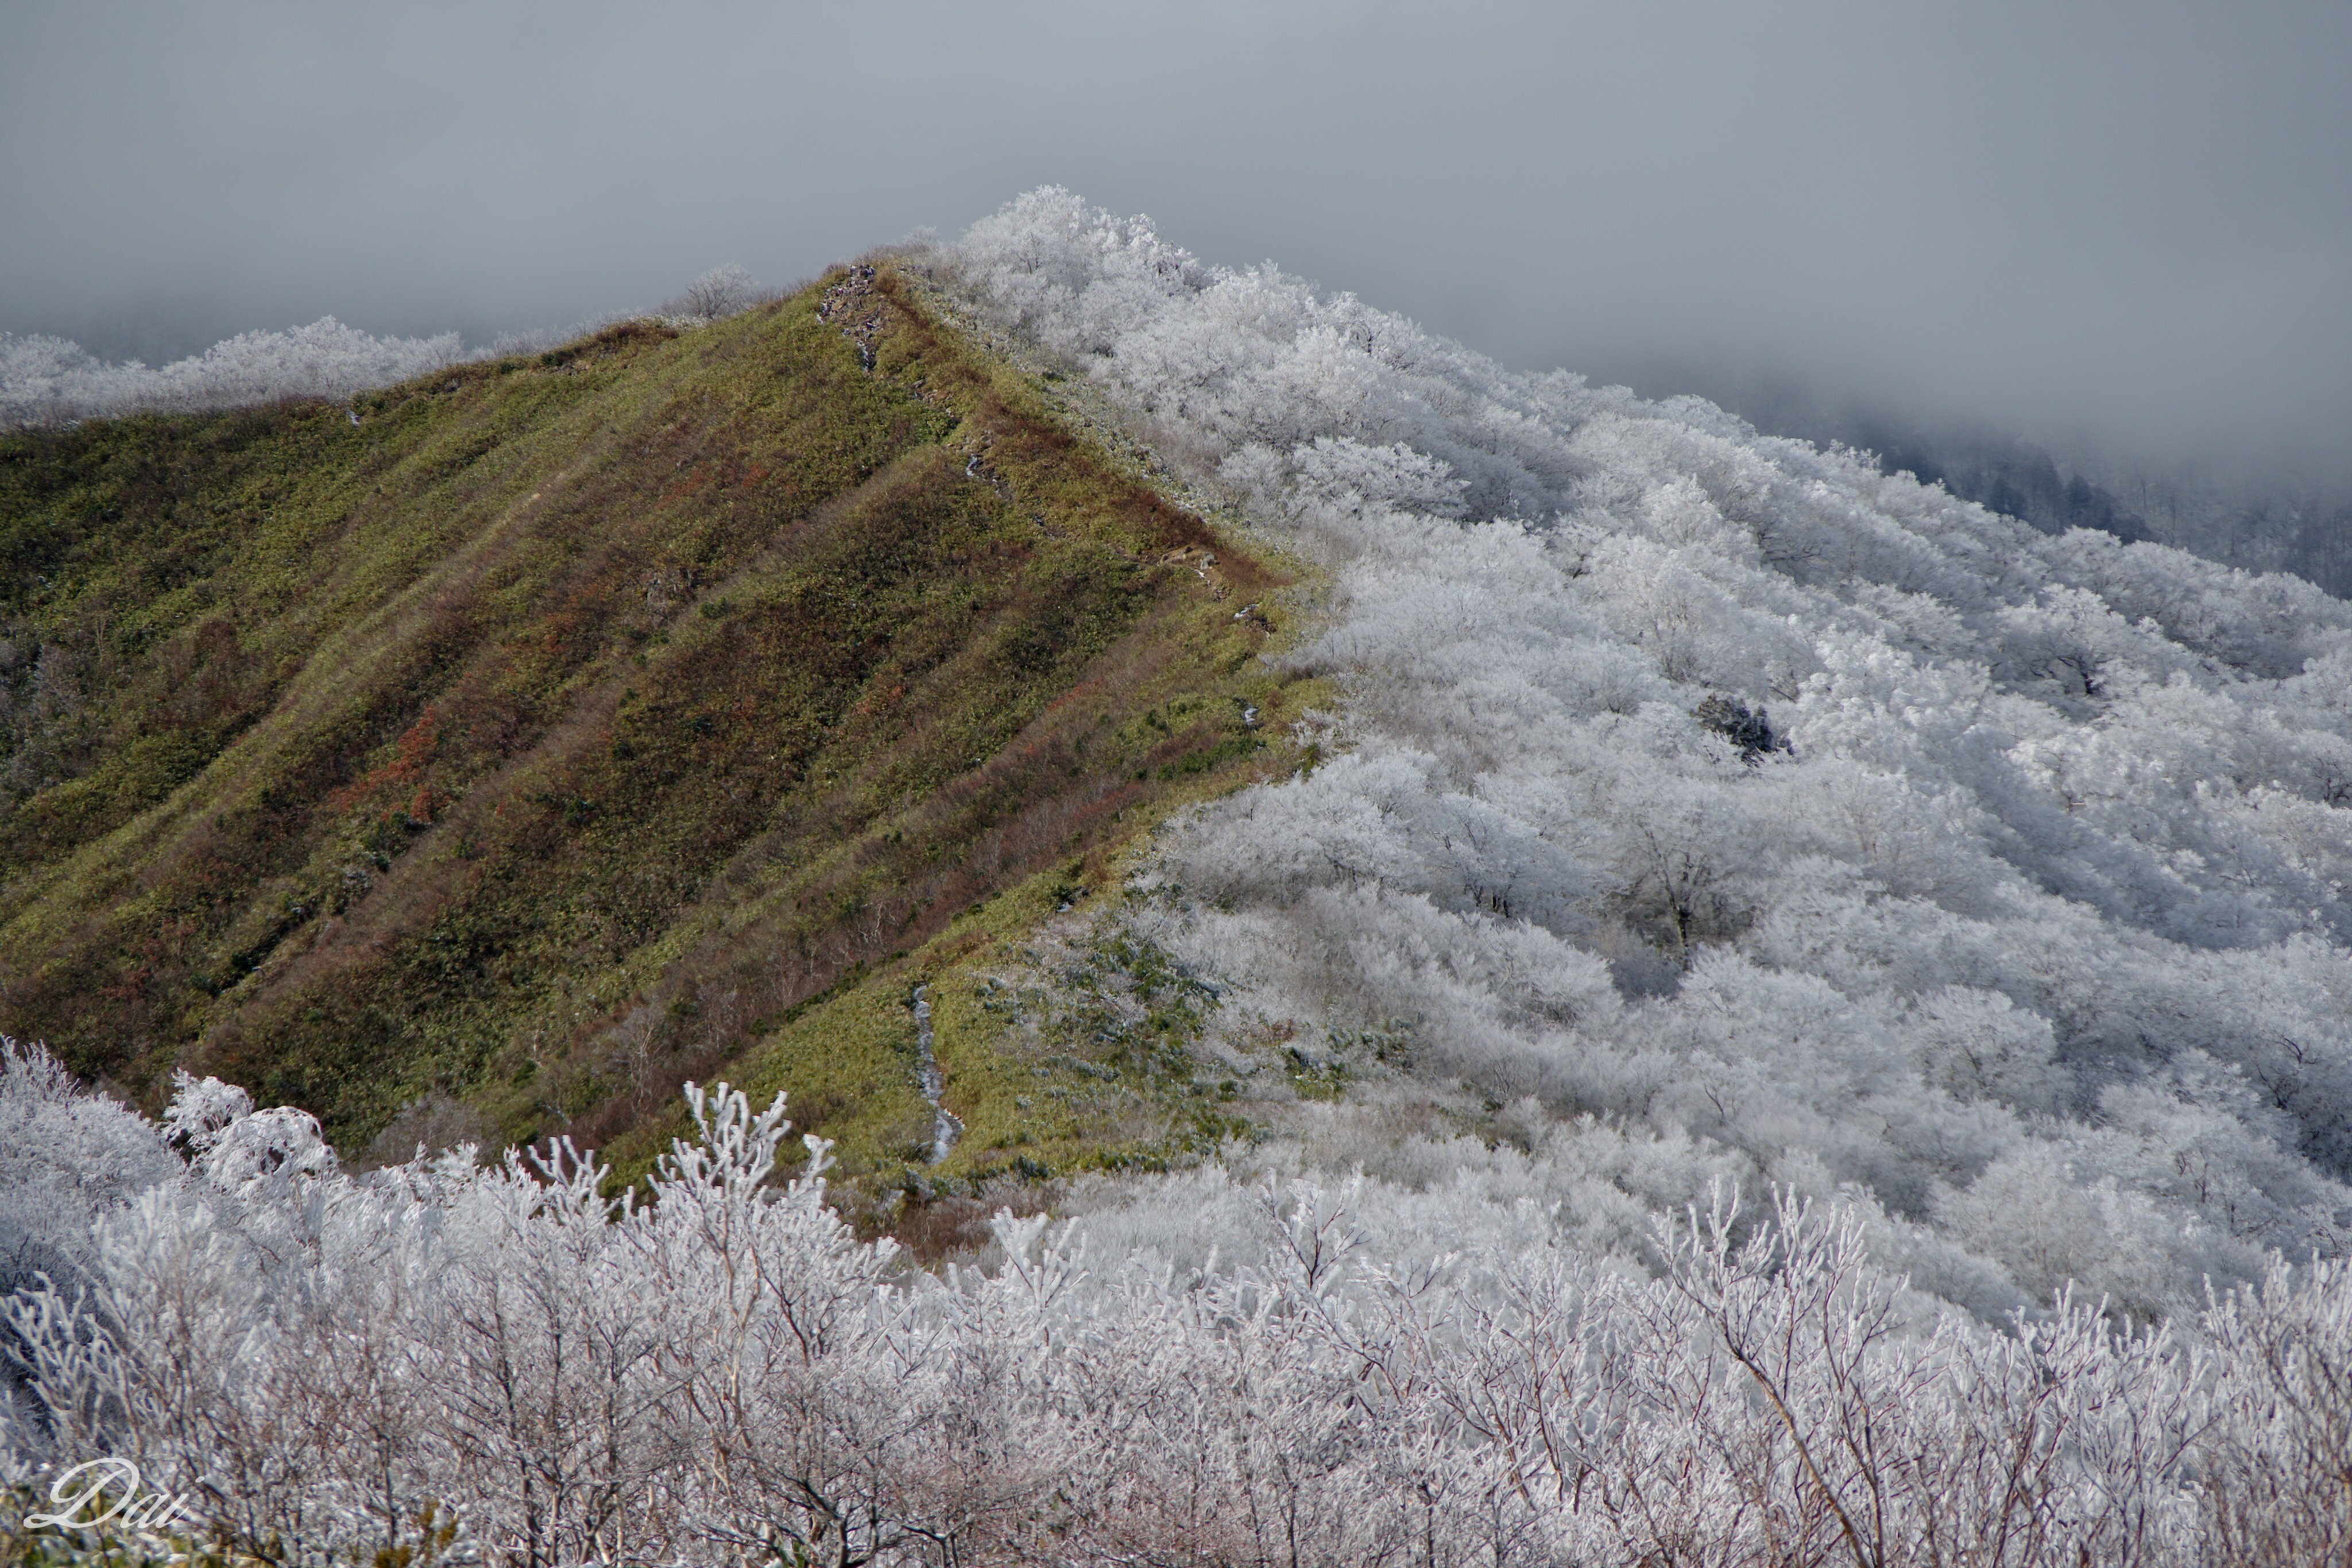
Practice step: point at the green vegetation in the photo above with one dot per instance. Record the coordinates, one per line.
(666, 707)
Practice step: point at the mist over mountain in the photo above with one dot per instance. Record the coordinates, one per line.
(2238, 508)
(2130, 218)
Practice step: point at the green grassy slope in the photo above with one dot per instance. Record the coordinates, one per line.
(665, 707)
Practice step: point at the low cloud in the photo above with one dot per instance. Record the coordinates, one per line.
(2131, 222)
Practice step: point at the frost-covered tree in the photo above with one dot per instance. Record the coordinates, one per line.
(67, 1158)
(502, 1365)
(716, 294)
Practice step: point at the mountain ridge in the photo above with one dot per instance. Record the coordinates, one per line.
(553, 576)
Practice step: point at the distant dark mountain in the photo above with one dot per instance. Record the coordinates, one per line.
(2002, 472)
(2262, 525)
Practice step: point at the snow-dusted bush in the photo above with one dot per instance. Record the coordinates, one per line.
(67, 1156)
(2021, 906)
(716, 294)
(505, 1366)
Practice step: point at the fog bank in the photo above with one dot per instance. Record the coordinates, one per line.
(2127, 223)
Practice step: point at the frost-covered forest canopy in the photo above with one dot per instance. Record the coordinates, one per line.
(51, 381)
(45, 380)
(446, 1362)
(1813, 1022)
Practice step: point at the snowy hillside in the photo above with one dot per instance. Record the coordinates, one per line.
(1796, 821)
(1791, 1020)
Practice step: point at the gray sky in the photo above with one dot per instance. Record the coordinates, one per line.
(2132, 219)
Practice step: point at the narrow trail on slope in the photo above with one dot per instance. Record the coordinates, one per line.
(946, 1127)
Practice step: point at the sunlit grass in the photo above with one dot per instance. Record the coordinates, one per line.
(665, 707)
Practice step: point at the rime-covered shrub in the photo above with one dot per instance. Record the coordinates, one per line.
(506, 1365)
(716, 294)
(67, 1158)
